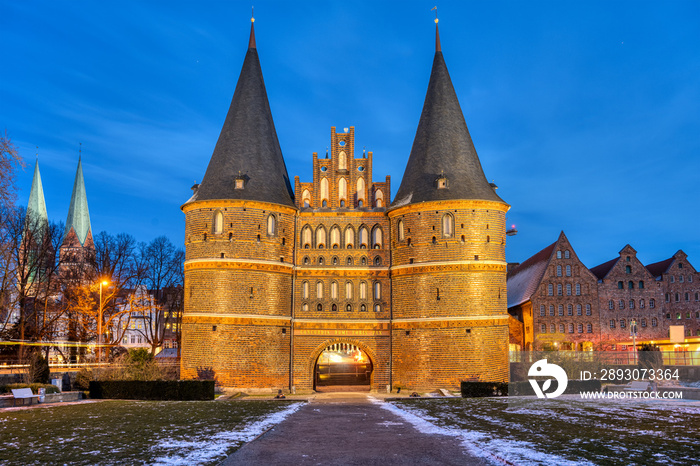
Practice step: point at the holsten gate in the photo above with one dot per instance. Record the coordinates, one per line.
(329, 281)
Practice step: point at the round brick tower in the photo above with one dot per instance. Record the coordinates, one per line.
(239, 249)
(448, 268)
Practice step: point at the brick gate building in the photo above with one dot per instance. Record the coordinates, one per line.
(277, 276)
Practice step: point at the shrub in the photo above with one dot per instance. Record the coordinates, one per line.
(34, 386)
(38, 369)
(83, 379)
(483, 389)
(153, 389)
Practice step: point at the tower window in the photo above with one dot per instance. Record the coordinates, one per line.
(401, 230)
(218, 222)
(271, 225)
(448, 225)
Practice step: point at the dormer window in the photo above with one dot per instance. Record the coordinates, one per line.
(240, 181)
(441, 182)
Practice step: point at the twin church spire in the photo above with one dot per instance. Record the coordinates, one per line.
(78, 222)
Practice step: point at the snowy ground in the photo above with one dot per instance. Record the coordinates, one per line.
(565, 431)
(135, 432)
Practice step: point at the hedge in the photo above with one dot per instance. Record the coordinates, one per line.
(183, 390)
(34, 386)
(483, 389)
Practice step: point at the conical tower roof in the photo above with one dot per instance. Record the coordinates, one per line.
(248, 148)
(442, 148)
(78, 213)
(36, 206)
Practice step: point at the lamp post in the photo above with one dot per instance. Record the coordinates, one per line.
(99, 322)
(633, 332)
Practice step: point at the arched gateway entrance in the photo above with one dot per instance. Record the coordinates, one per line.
(342, 365)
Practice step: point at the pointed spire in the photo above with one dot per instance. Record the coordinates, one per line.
(248, 144)
(36, 206)
(78, 214)
(443, 163)
(437, 37)
(251, 41)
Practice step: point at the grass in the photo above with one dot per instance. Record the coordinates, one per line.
(132, 432)
(602, 432)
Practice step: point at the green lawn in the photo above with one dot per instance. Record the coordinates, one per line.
(134, 432)
(569, 430)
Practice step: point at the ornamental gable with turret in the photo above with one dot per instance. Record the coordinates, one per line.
(329, 282)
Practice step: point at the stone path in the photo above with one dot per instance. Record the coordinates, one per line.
(348, 429)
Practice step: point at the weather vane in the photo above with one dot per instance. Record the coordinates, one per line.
(436, 18)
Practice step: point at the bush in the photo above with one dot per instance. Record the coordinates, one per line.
(83, 379)
(34, 386)
(482, 389)
(38, 370)
(153, 389)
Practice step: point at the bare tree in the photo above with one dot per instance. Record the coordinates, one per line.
(30, 282)
(163, 272)
(9, 161)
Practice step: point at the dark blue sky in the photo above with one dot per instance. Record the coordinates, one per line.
(586, 114)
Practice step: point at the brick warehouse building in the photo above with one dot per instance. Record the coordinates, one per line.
(294, 287)
(554, 300)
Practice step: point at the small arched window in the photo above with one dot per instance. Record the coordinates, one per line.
(218, 223)
(363, 290)
(348, 308)
(335, 237)
(319, 290)
(377, 291)
(306, 198)
(377, 308)
(363, 261)
(342, 191)
(305, 290)
(360, 191)
(321, 238)
(568, 270)
(342, 161)
(377, 238)
(379, 198)
(334, 290)
(348, 261)
(364, 238)
(348, 290)
(400, 228)
(306, 237)
(271, 225)
(363, 308)
(349, 237)
(448, 226)
(319, 308)
(566, 254)
(324, 192)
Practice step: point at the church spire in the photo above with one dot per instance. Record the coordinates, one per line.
(443, 164)
(247, 162)
(36, 206)
(251, 41)
(78, 214)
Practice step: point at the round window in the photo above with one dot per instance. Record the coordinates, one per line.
(360, 169)
(323, 169)
(341, 143)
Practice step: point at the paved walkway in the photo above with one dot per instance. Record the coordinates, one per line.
(347, 429)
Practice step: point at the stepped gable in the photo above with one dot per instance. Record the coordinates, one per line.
(442, 147)
(248, 147)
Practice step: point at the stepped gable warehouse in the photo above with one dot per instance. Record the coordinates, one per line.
(333, 283)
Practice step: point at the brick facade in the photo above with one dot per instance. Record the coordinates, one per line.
(545, 293)
(428, 308)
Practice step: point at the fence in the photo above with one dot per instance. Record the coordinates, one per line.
(623, 358)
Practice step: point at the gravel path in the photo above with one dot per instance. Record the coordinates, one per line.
(348, 429)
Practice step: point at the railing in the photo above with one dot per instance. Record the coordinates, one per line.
(624, 358)
(16, 367)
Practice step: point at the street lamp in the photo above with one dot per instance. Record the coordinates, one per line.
(633, 333)
(99, 322)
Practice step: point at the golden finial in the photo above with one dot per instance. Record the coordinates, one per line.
(436, 18)
(252, 14)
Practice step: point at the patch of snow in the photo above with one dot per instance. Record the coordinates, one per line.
(482, 445)
(205, 450)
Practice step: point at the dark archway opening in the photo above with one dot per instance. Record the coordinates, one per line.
(342, 367)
